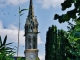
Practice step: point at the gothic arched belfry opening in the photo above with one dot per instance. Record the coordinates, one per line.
(31, 31)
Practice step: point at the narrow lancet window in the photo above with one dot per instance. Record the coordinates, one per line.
(29, 42)
(34, 42)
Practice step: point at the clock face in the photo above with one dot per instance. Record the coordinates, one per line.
(31, 56)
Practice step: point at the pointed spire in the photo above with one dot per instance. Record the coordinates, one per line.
(31, 11)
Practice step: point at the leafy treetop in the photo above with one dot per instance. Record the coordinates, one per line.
(74, 13)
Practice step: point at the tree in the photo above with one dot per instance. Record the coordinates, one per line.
(74, 30)
(64, 46)
(74, 13)
(74, 38)
(5, 51)
(50, 41)
(57, 45)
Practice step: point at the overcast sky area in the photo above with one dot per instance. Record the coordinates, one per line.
(43, 9)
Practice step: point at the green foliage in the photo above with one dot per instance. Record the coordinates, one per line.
(20, 58)
(74, 39)
(49, 43)
(4, 46)
(37, 58)
(57, 45)
(74, 14)
(69, 42)
(5, 51)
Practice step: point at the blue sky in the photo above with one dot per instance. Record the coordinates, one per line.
(43, 9)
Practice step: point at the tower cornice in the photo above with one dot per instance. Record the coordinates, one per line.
(31, 50)
(31, 33)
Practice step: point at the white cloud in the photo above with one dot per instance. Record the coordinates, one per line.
(16, 2)
(42, 57)
(0, 24)
(48, 3)
(39, 40)
(12, 2)
(12, 33)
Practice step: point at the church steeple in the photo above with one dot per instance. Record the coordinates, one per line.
(31, 21)
(31, 11)
(31, 31)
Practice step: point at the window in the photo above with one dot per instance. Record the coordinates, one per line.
(36, 27)
(31, 15)
(34, 42)
(31, 27)
(27, 28)
(29, 42)
(31, 22)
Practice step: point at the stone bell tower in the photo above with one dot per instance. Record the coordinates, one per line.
(31, 31)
